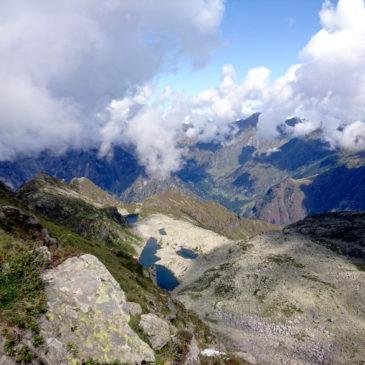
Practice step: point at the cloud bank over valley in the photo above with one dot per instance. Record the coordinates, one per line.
(80, 74)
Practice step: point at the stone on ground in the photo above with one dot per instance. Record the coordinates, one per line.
(156, 329)
(87, 316)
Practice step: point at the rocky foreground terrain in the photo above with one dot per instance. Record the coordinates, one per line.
(72, 291)
(291, 297)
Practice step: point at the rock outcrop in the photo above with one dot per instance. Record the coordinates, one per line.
(87, 316)
(156, 329)
(342, 232)
(61, 203)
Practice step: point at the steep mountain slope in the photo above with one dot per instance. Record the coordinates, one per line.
(292, 297)
(206, 214)
(340, 188)
(283, 203)
(254, 177)
(66, 299)
(114, 174)
(144, 187)
(86, 216)
(96, 195)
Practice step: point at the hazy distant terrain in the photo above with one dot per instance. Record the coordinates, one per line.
(278, 180)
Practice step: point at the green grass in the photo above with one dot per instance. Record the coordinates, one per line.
(72, 349)
(22, 295)
(23, 298)
(285, 260)
(281, 308)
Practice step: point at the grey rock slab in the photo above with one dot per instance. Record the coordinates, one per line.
(156, 329)
(87, 316)
(250, 359)
(192, 357)
(134, 309)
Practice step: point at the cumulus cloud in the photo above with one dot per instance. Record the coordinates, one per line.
(151, 125)
(62, 62)
(325, 90)
(74, 74)
(328, 87)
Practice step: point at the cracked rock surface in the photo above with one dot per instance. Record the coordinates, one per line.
(88, 316)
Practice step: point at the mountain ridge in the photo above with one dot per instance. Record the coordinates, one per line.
(242, 173)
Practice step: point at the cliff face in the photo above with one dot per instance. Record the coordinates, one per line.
(283, 203)
(340, 188)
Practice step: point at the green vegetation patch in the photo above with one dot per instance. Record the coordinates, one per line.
(285, 260)
(203, 283)
(22, 295)
(222, 360)
(317, 280)
(281, 308)
(225, 288)
(301, 336)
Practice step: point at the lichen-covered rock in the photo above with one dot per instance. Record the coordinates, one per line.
(156, 329)
(250, 359)
(134, 309)
(192, 357)
(44, 253)
(87, 316)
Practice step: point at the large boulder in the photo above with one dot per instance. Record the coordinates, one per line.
(157, 330)
(87, 316)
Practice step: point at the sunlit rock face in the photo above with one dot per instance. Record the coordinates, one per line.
(88, 316)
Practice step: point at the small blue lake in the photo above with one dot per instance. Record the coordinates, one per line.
(164, 277)
(187, 254)
(148, 257)
(131, 218)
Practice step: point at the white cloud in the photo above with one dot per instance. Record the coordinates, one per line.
(73, 73)
(327, 89)
(63, 61)
(150, 124)
(352, 136)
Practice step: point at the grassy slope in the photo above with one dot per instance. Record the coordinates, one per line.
(66, 206)
(22, 292)
(206, 214)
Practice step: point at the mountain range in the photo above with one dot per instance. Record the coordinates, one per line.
(280, 180)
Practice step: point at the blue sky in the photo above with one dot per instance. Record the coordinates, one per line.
(254, 33)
